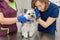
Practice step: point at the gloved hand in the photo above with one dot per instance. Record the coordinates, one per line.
(22, 19)
(37, 13)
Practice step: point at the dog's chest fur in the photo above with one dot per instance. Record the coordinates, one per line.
(28, 24)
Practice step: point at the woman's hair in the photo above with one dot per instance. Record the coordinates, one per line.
(9, 0)
(45, 1)
(0, 0)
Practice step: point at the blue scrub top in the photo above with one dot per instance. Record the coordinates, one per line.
(53, 12)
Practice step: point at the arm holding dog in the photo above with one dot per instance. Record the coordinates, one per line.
(45, 24)
(4, 20)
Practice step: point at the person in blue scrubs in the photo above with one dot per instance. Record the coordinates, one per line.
(46, 15)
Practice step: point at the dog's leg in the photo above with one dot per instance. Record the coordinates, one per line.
(25, 31)
(32, 30)
(25, 34)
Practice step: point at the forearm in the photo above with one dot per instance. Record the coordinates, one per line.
(43, 23)
(8, 20)
(46, 23)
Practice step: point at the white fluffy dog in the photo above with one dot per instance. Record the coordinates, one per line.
(29, 27)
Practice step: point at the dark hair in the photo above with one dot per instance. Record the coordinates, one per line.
(45, 1)
(9, 0)
(0, 0)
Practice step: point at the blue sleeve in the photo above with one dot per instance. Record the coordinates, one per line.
(54, 13)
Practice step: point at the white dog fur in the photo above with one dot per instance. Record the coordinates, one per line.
(29, 26)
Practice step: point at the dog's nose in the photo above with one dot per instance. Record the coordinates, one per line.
(32, 16)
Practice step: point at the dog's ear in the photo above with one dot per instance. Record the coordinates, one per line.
(25, 10)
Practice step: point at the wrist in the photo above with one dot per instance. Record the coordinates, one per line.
(38, 18)
(16, 19)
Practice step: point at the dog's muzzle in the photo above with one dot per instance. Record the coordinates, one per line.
(32, 16)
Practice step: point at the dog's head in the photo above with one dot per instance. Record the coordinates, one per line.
(30, 14)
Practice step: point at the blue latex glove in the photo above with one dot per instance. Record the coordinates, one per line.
(37, 12)
(22, 19)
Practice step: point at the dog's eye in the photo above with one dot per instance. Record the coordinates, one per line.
(33, 13)
(28, 13)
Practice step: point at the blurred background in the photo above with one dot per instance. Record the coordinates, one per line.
(26, 4)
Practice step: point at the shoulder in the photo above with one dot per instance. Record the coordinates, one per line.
(53, 6)
(52, 11)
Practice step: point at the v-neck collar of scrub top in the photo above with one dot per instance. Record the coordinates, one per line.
(14, 7)
(7, 10)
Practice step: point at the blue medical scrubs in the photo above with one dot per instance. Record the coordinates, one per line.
(53, 12)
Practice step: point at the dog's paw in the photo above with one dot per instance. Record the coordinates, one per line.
(30, 36)
(25, 37)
